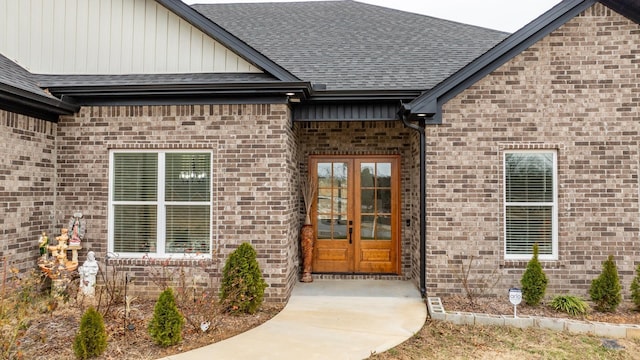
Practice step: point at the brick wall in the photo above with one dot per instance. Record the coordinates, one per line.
(255, 199)
(576, 91)
(27, 181)
(369, 138)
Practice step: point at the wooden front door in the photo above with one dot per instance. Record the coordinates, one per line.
(356, 214)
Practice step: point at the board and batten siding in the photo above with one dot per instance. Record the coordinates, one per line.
(108, 37)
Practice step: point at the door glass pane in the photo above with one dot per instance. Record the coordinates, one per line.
(383, 201)
(367, 227)
(367, 172)
(383, 228)
(324, 228)
(367, 200)
(339, 200)
(340, 227)
(340, 175)
(332, 201)
(375, 201)
(375, 227)
(383, 175)
(324, 175)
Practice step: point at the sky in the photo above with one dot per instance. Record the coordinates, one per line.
(504, 15)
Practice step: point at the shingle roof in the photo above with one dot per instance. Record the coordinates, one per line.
(14, 75)
(21, 93)
(349, 45)
(152, 79)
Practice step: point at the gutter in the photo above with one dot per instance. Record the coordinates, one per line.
(31, 104)
(420, 129)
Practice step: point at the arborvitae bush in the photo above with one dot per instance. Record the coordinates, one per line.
(635, 288)
(91, 339)
(165, 327)
(242, 288)
(534, 280)
(606, 290)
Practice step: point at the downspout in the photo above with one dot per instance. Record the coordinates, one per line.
(420, 128)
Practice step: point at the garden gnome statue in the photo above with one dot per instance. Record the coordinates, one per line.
(88, 272)
(43, 242)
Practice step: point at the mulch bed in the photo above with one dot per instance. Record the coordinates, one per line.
(50, 336)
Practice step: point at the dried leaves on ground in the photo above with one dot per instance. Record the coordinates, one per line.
(50, 335)
(442, 340)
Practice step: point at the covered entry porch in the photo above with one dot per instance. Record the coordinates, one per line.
(365, 213)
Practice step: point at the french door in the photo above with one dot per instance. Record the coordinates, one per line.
(356, 214)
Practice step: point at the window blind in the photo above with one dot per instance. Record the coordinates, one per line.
(530, 201)
(161, 202)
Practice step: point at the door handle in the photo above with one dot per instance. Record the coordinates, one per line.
(350, 231)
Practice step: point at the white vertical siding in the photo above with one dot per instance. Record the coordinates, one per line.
(108, 37)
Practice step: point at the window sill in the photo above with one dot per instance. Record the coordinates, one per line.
(168, 260)
(522, 264)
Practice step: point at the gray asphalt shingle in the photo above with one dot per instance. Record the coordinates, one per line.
(14, 75)
(152, 79)
(349, 45)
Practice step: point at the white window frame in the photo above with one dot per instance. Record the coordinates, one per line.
(161, 208)
(554, 212)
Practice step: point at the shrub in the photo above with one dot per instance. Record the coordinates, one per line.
(635, 288)
(571, 305)
(242, 288)
(606, 289)
(534, 280)
(165, 327)
(91, 340)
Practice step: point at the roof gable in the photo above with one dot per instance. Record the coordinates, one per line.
(428, 105)
(111, 37)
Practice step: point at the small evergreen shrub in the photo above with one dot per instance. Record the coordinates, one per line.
(534, 280)
(242, 288)
(635, 288)
(569, 304)
(165, 327)
(91, 339)
(606, 290)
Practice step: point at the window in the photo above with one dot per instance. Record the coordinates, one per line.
(530, 214)
(160, 203)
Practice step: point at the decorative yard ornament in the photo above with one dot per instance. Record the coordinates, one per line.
(204, 326)
(515, 297)
(78, 228)
(309, 188)
(88, 272)
(57, 266)
(43, 242)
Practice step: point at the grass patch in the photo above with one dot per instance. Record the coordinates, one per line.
(442, 340)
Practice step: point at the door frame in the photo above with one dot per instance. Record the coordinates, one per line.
(354, 212)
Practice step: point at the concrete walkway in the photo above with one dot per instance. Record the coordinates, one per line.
(329, 319)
